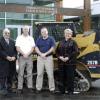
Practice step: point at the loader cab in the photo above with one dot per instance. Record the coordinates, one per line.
(56, 29)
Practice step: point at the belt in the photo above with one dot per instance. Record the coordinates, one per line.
(1, 59)
(48, 55)
(22, 55)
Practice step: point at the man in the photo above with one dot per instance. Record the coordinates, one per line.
(25, 45)
(44, 48)
(8, 56)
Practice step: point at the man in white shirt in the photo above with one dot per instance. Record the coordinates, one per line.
(25, 45)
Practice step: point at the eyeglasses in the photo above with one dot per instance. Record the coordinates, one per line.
(7, 33)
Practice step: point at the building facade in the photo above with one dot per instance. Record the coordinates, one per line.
(14, 21)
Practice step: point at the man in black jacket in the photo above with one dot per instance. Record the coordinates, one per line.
(8, 56)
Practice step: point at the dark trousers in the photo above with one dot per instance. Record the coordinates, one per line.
(66, 78)
(11, 74)
(3, 83)
(3, 88)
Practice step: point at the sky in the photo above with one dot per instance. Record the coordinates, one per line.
(72, 3)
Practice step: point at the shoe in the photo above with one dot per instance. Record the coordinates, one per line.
(9, 90)
(52, 92)
(59, 93)
(38, 91)
(3, 92)
(70, 93)
(19, 91)
(62, 92)
(31, 90)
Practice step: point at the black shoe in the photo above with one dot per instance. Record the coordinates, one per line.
(62, 92)
(38, 91)
(9, 90)
(70, 93)
(19, 91)
(52, 92)
(31, 90)
(59, 93)
(3, 92)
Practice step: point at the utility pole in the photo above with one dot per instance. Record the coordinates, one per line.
(87, 16)
(59, 4)
(5, 15)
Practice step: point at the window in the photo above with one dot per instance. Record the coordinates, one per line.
(96, 0)
(2, 14)
(20, 1)
(2, 1)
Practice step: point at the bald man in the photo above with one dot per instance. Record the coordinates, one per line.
(25, 45)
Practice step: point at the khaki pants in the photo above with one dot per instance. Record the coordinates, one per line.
(48, 64)
(28, 63)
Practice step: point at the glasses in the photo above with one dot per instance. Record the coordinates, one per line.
(7, 33)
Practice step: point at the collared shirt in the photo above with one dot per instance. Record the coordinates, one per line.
(45, 44)
(25, 43)
(7, 40)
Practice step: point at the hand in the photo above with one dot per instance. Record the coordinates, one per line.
(66, 59)
(61, 58)
(9, 58)
(43, 55)
(13, 58)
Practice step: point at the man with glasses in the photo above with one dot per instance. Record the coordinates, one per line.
(8, 56)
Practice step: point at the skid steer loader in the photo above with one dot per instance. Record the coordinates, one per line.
(88, 61)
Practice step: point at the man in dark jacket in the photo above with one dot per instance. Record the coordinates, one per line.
(7, 61)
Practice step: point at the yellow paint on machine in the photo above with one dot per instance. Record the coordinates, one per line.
(95, 75)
